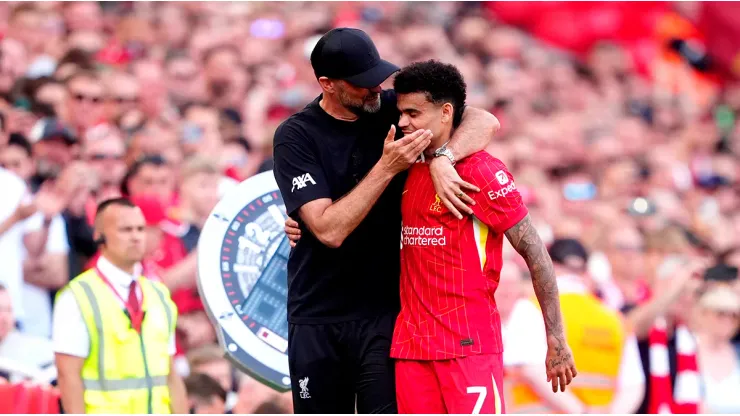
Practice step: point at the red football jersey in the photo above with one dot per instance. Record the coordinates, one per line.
(450, 268)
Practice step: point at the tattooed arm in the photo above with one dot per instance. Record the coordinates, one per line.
(559, 362)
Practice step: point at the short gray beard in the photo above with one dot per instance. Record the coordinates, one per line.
(355, 108)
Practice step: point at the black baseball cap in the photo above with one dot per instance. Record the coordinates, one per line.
(721, 273)
(350, 55)
(568, 252)
(52, 128)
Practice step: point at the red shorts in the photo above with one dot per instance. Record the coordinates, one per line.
(467, 385)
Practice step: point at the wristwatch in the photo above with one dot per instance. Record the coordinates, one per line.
(444, 151)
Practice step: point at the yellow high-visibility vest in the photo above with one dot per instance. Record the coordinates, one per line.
(125, 372)
(596, 335)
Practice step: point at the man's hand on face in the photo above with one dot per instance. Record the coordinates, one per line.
(449, 187)
(399, 155)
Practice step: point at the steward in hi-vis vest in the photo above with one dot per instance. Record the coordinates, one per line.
(114, 330)
(610, 377)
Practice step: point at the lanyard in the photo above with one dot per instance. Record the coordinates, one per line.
(136, 317)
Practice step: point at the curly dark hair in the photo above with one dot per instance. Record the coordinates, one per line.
(440, 82)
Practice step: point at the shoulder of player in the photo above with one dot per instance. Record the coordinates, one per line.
(480, 164)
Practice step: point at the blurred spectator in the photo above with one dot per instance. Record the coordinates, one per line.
(210, 360)
(17, 157)
(185, 81)
(22, 356)
(23, 236)
(244, 394)
(104, 151)
(606, 353)
(85, 102)
(122, 95)
(199, 185)
(721, 274)
(46, 270)
(626, 254)
(662, 323)
(510, 290)
(78, 215)
(205, 395)
(199, 194)
(150, 175)
(719, 311)
(54, 146)
(54, 94)
(201, 132)
(162, 249)
(7, 321)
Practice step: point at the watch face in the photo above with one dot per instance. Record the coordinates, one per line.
(242, 278)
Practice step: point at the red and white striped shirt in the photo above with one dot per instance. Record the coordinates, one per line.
(450, 268)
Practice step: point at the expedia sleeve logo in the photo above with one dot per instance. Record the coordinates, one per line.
(501, 193)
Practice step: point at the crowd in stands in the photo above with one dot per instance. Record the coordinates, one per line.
(173, 104)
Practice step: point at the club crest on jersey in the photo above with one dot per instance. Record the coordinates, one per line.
(436, 205)
(300, 182)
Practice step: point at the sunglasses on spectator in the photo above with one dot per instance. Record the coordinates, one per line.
(91, 98)
(727, 314)
(630, 248)
(99, 157)
(124, 100)
(12, 165)
(184, 76)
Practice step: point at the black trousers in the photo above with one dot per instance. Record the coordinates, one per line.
(331, 365)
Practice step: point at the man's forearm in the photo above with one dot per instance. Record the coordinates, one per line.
(344, 215)
(182, 274)
(72, 393)
(475, 131)
(642, 317)
(178, 395)
(8, 223)
(49, 271)
(35, 241)
(524, 238)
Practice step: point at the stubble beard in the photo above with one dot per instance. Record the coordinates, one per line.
(359, 107)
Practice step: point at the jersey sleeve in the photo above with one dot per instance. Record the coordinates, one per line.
(498, 204)
(297, 170)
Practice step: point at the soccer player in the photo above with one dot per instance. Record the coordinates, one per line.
(447, 339)
(341, 174)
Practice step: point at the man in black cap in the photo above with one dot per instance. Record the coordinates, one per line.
(54, 146)
(340, 170)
